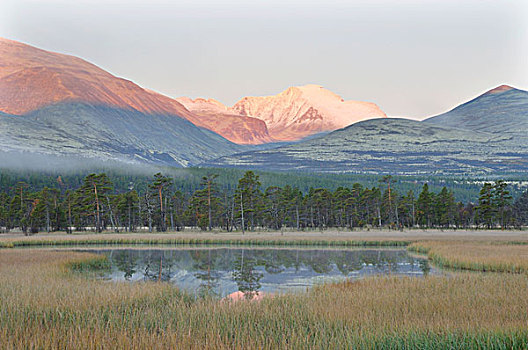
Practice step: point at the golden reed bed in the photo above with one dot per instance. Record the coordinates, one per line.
(46, 305)
(509, 257)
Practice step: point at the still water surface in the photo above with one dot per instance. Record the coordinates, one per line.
(221, 271)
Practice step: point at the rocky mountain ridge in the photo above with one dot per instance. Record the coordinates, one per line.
(484, 136)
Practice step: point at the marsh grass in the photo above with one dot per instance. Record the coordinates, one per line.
(92, 264)
(476, 256)
(46, 305)
(123, 240)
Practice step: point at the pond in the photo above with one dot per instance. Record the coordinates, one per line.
(221, 271)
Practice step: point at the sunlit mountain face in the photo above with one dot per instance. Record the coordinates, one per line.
(60, 105)
(32, 78)
(301, 111)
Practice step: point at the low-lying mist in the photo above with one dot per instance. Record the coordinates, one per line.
(25, 161)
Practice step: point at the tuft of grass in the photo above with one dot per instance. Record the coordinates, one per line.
(95, 263)
(6, 244)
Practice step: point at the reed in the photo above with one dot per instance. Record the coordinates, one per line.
(123, 240)
(46, 305)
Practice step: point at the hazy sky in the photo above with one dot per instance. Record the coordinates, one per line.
(413, 58)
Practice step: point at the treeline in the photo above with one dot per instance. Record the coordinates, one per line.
(188, 180)
(95, 205)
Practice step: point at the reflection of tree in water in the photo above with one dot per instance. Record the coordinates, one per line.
(247, 267)
(383, 260)
(320, 261)
(276, 261)
(206, 272)
(392, 263)
(273, 264)
(158, 267)
(347, 263)
(245, 275)
(125, 262)
(424, 266)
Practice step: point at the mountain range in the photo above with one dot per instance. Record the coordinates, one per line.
(487, 135)
(62, 106)
(295, 113)
(32, 78)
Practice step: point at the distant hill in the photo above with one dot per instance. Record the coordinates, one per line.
(110, 133)
(500, 110)
(292, 115)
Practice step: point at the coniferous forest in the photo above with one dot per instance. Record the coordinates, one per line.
(94, 204)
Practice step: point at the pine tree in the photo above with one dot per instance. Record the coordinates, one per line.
(127, 205)
(179, 205)
(501, 202)
(406, 209)
(159, 186)
(388, 201)
(89, 197)
(444, 208)
(212, 199)
(424, 206)
(205, 203)
(486, 209)
(274, 207)
(356, 218)
(4, 210)
(520, 210)
(248, 199)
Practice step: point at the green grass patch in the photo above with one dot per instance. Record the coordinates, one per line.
(6, 245)
(440, 340)
(90, 264)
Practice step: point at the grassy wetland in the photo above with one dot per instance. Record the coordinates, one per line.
(509, 257)
(52, 299)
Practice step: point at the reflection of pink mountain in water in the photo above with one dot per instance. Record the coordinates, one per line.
(238, 296)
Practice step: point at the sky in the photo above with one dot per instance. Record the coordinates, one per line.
(414, 58)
